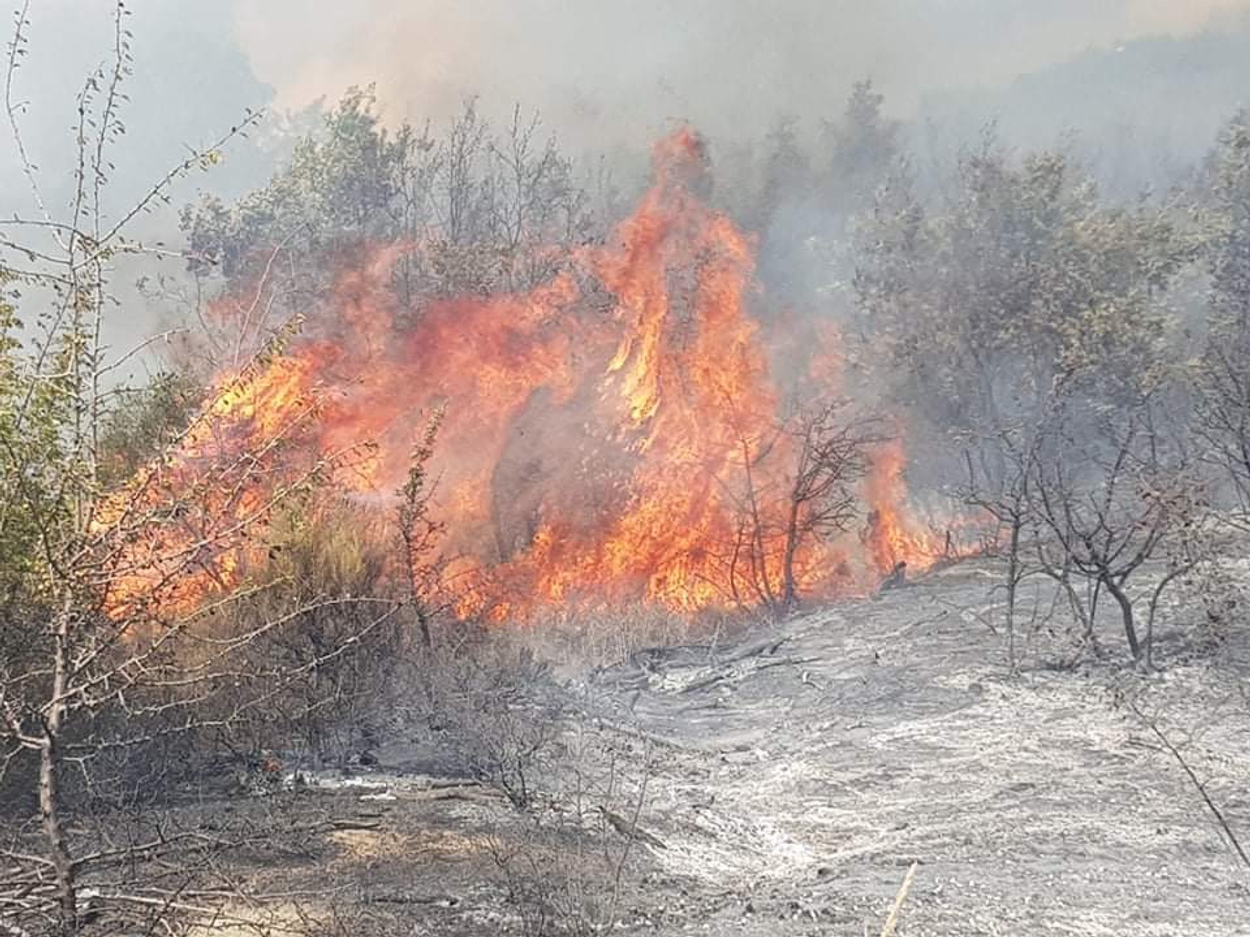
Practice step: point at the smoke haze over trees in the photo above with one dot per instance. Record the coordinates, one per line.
(606, 75)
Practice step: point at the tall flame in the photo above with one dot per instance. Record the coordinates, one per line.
(584, 454)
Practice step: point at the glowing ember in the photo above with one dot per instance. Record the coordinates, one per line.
(583, 455)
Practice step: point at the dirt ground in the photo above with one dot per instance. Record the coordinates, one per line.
(785, 783)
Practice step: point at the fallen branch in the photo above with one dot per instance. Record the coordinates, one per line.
(744, 672)
(708, 681)
(630, 829)
(347, 826)
(1201, 788)
(403, 897)
(754, 649)
(473, 795)
(891, 922)
(784, 662)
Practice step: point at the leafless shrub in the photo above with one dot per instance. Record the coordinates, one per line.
(490, 707)
(567, 870)
(1110, 496)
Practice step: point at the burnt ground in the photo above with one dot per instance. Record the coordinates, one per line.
(786, 781)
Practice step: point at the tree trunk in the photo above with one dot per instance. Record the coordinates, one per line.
(49, 787)
(1126, 613)
(423, 620)
(1013, 580)
(789, 592)
(62, 864)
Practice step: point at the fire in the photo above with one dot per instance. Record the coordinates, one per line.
(583, 455)
(180, 530)
(893, 535)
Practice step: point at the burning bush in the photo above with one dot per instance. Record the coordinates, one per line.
(619, 433)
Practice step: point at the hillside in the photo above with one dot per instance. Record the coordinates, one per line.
(790, 778)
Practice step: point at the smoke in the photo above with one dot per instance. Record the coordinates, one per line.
(604, 75)
(608, 72)
(190, 83)
(609, 77)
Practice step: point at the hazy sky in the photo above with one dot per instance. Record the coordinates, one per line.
(602, 73)
(191, 82)
(601, 68)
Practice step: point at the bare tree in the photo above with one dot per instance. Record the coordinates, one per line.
(1112, 494)
(799, 484)
(831, 457)
(1006, 496)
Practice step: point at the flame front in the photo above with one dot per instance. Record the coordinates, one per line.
(585, 453)
(892, 534)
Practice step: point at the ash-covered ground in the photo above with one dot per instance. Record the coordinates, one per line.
(784, 782)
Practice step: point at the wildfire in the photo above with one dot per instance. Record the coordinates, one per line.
(632, 455)
(180, 530)
(893, 535)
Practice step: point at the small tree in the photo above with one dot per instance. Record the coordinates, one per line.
(798, 486)
(1113, 493)
(1005, 494)
(129, 615)
(830, 459)
(419, 533)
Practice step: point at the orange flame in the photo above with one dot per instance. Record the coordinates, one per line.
(582, 455)
(180, 530)
(893, 534)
